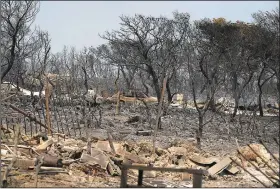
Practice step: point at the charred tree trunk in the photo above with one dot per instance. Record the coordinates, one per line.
(17, 82)
(236, 104)
(41, 87)
(199, 130)
(278, 88)
(168, 90)
(118, 92)
(211, 98)
(144, 84)
(238, 91)
(155, 82)
(260, 93)
(260, 85)
(126, 79)
(260, 102)
(236, 100)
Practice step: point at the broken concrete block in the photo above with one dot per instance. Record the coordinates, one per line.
(96, 158)
(220, 166)
(134, 158)
(232, 169)
(112, 169)
(204, 161)
(44, 145)
(105, 146)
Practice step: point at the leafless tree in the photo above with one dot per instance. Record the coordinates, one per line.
(17, 17)
(267, 44)
(153, 41)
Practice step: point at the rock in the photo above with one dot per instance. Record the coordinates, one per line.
(105, 146)
(160, 151)
(134, 158)
(186, 177)
(177, 150)
(97, 157)
(258, 148)
(149, 174)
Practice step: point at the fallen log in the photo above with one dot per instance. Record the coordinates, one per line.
(51, 161)
(125, 132)
(144, 133)
(51, 169)
(32, 118)
(52, 172)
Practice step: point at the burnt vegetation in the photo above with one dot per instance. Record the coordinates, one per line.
(220, 79)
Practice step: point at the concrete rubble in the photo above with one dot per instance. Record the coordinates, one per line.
(86, 161)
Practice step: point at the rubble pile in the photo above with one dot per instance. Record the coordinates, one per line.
(71, 162)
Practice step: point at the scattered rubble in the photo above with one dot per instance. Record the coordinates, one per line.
(73, 158)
